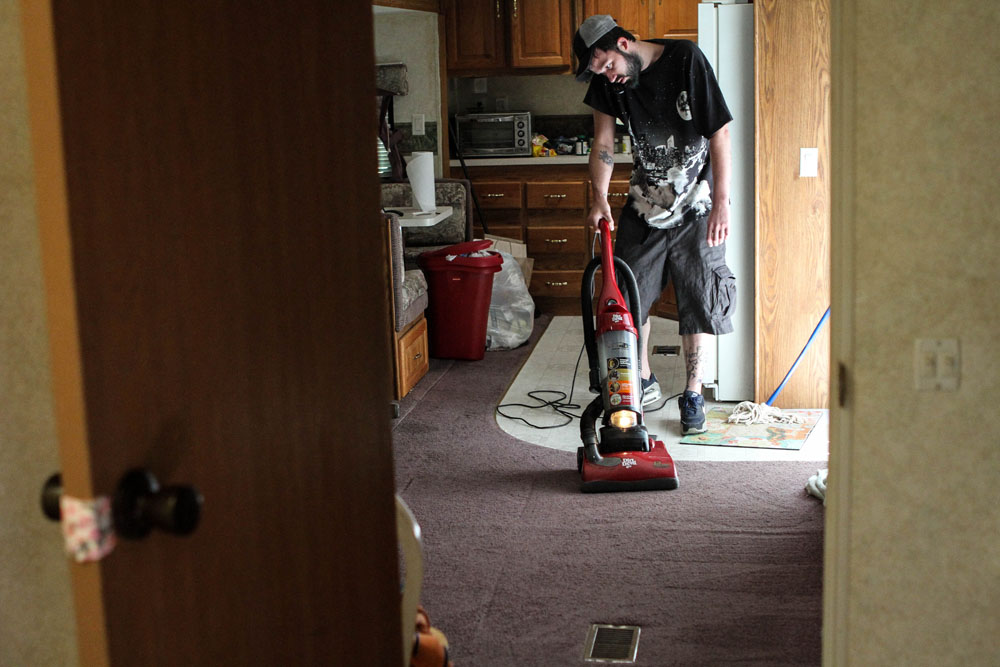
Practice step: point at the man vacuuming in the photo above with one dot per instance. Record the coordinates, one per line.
(676, 220)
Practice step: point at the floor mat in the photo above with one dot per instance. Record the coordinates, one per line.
(721, 433)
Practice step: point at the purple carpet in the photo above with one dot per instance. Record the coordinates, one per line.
(727, 569)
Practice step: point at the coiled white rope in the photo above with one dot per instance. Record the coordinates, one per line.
(749, 412)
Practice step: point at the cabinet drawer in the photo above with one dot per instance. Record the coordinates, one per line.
(506, 231)
(556, 241)
(617, 194)
(569, 194)
(562, 284)
(498, 194)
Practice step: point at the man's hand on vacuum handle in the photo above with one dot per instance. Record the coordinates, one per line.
(600, 212)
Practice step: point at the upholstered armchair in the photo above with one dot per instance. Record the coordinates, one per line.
(454, 192)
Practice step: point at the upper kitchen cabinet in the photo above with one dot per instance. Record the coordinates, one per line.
(650, 19)
(489, 36)
(630, 15)
(675, 19)
(540, 34)
(474, 30)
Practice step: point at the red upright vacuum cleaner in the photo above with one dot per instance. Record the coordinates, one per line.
(625, 457)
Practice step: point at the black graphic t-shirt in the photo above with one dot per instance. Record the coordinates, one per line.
(670, 115)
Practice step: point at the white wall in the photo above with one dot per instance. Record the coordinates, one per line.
(36, 615)
(411, 37)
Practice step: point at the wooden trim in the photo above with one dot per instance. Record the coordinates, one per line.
(64, 342)
(416, 5)
(837, 538)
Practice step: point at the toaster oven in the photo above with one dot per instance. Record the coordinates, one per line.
(493, 134)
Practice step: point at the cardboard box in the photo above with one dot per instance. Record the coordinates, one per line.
(517, 249)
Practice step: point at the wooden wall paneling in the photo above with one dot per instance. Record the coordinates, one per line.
(793, 213)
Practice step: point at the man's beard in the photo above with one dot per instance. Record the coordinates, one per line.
(633, 65)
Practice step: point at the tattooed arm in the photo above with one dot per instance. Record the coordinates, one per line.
(602, 163)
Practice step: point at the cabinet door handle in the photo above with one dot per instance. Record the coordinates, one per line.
(618, 194)
(551, 283)
(498, 8)
(515, 8)
(557, 240)
(418, 355)
(493, 195)
(555, 196)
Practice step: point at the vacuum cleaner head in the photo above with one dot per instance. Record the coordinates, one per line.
(628, 471)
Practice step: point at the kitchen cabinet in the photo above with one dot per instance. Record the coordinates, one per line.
(491, 36)
(502, 202)
(545, 206)
(674, 19)
(541, 34)
(650, 19)
(474, 34)
(630, 15)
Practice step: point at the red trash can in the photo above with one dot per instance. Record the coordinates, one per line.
(459, 288)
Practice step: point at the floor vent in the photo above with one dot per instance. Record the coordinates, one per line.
(612, 643)
(668, 350)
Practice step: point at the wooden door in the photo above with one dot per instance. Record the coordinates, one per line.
(675, 19)
(209, 220)
(474, 32)
(632, 15)
(540, 33)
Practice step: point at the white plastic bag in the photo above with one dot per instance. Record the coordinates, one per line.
(512, 310)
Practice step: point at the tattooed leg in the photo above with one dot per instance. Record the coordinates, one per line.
(695, 348)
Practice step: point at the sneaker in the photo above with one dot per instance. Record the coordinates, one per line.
(692, 407)
(650, 390)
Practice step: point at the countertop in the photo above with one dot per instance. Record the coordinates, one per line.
(526, 161)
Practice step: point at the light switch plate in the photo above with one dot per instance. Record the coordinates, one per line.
(808, 162)
(479, 85)
(937, 364)
(418, 124)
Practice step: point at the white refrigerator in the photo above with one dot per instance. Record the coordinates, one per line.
(725, 35)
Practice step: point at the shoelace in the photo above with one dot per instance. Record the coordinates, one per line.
(689, 408)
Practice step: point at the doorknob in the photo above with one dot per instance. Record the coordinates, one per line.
(139, 505)
(51, 492)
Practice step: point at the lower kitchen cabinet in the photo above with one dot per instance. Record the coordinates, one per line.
(546, 207)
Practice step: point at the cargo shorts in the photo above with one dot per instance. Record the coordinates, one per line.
(705, 287)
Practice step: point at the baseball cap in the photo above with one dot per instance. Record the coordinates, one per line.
(589, 32)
